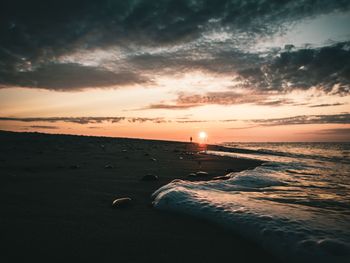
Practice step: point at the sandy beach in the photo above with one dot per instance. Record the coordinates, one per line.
(56, 193)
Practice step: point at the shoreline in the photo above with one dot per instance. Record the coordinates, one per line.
(57, 191)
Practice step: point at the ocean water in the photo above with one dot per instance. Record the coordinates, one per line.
(296, 205)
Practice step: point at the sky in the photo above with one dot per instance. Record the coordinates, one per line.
(240, 70)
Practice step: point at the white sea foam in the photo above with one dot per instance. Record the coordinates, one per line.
(293, 208)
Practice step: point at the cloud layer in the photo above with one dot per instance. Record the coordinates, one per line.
(342, 118)
(84, 120)
(58, 46)
(327, 69)
(69, 76)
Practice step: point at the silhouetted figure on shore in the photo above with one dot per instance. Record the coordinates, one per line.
(191, 139)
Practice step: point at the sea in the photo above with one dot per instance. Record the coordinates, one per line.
(296, 205)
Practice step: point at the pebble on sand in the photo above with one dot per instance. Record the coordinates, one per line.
(153, 159)
(121, 202)
(224, 177)
(149, 177)
(192, 175)
(202, 173)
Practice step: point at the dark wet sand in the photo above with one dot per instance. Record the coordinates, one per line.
(56, 195)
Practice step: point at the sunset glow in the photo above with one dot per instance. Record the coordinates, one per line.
(204, 68)
(144, 130)
(202, 135)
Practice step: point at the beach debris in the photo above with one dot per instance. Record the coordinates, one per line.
(153, 159)
(181, 158)
(124, 150)
(121, 202)
(109, 166)
(149, 177)
(75, 166)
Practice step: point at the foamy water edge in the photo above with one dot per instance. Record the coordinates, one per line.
(249, 203)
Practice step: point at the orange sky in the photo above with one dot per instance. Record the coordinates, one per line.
(169, 71)
(222, 122)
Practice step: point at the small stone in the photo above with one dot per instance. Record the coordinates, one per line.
(201, 173)
(181, 158)
(176, 181)
(121, 202)
(109, 166)
(124, 151)
(224, 177)
(149, 177)
(153, 159)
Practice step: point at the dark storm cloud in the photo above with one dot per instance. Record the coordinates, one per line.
(343, 118)
(69, 77)
(326, 68)
(101, 22)
(34, 34)
(205, 56)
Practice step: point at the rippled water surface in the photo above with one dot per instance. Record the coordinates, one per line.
(296, 205)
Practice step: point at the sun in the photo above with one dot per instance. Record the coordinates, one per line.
(202, 135)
